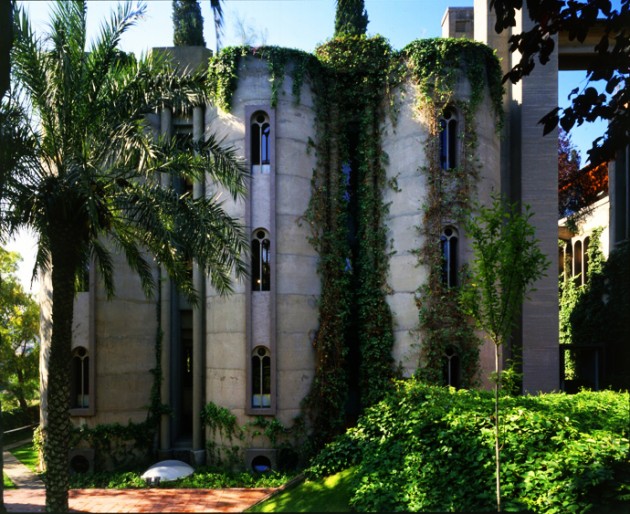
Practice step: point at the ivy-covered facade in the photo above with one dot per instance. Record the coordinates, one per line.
(364, 163)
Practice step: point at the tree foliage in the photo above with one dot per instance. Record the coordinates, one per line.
(19, 337)
(351, 18)
(86, 178)
(609, 62)
(506, 264)
(6, 42)
(187, 23)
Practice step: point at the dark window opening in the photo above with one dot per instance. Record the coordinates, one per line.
(448, 140)
(261, 268)
(260, 139)
(448, 245)
(450, 368)
(80, 379)
(261, 378)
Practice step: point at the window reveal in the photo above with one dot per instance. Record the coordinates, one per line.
(261, 378)
(261, 269)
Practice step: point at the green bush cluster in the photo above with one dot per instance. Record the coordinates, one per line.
(427, 448)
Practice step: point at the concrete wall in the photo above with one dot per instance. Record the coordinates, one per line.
(404, 143)
(296, 280)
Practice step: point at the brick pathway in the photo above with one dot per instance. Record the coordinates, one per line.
(31, 497)
(141, 500)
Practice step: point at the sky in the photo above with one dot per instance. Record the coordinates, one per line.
(301, 24)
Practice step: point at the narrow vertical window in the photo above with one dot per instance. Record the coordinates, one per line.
(261, 378)
(448, 140)
(450, 367)
(448, 245)
(260, 157)
(80, 379)
(261, 268)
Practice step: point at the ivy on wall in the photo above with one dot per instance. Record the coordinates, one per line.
(436, 66)
(352, 78)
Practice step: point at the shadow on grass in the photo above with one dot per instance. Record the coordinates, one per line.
(330, 494)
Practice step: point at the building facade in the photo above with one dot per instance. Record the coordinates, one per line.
(252, 352)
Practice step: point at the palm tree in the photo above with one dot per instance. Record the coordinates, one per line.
(87, 181)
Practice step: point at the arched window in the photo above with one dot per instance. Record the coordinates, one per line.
(448, 139)
(261, 269)
(448, 245)
(261, 378)
(260, 157)
(80, 379)
(569, 259)
(450, 367)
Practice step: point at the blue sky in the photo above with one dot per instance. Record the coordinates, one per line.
(302, 24)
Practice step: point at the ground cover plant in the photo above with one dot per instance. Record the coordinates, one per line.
(202, 478)
(205, 477)
(428, 448)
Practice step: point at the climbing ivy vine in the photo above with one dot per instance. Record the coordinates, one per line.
(353, 78)
(436, 65)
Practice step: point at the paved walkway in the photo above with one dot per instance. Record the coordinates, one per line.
(31, 497)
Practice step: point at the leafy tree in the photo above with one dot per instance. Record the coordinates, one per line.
(6, 41)
(217, 14)
(351, 18)
(19, 336)
(568, 170)
(187, 23)
(86, 179)
(506, 263)
(609, 62)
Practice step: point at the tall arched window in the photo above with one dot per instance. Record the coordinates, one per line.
(448, 245)
(450, 367)
(448, 139)
(260, 157)
(261, 378)
(80, 379)
(261, 269)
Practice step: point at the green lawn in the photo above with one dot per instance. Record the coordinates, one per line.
(27, 455)
(7, 482)
(330, 494)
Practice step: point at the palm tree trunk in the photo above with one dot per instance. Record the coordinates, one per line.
(58, 429)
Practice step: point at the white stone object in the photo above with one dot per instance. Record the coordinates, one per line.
(168, 470)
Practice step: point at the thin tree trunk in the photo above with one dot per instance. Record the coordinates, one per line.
(58, 429)
(497, 450)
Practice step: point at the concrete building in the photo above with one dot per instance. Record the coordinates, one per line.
(251, 352)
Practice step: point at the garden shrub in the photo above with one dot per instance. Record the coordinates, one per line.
(431, 448)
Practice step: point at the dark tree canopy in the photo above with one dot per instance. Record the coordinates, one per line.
(6, 40)
(187, 23)
(610, 61)
(351, 18)
(578, 188)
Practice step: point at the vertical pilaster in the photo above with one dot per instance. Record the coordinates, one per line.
(539, 189)
(197, 313)
(166, 125)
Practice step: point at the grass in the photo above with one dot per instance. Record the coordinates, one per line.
(27, 455)
(7, 482)
(330, 494)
